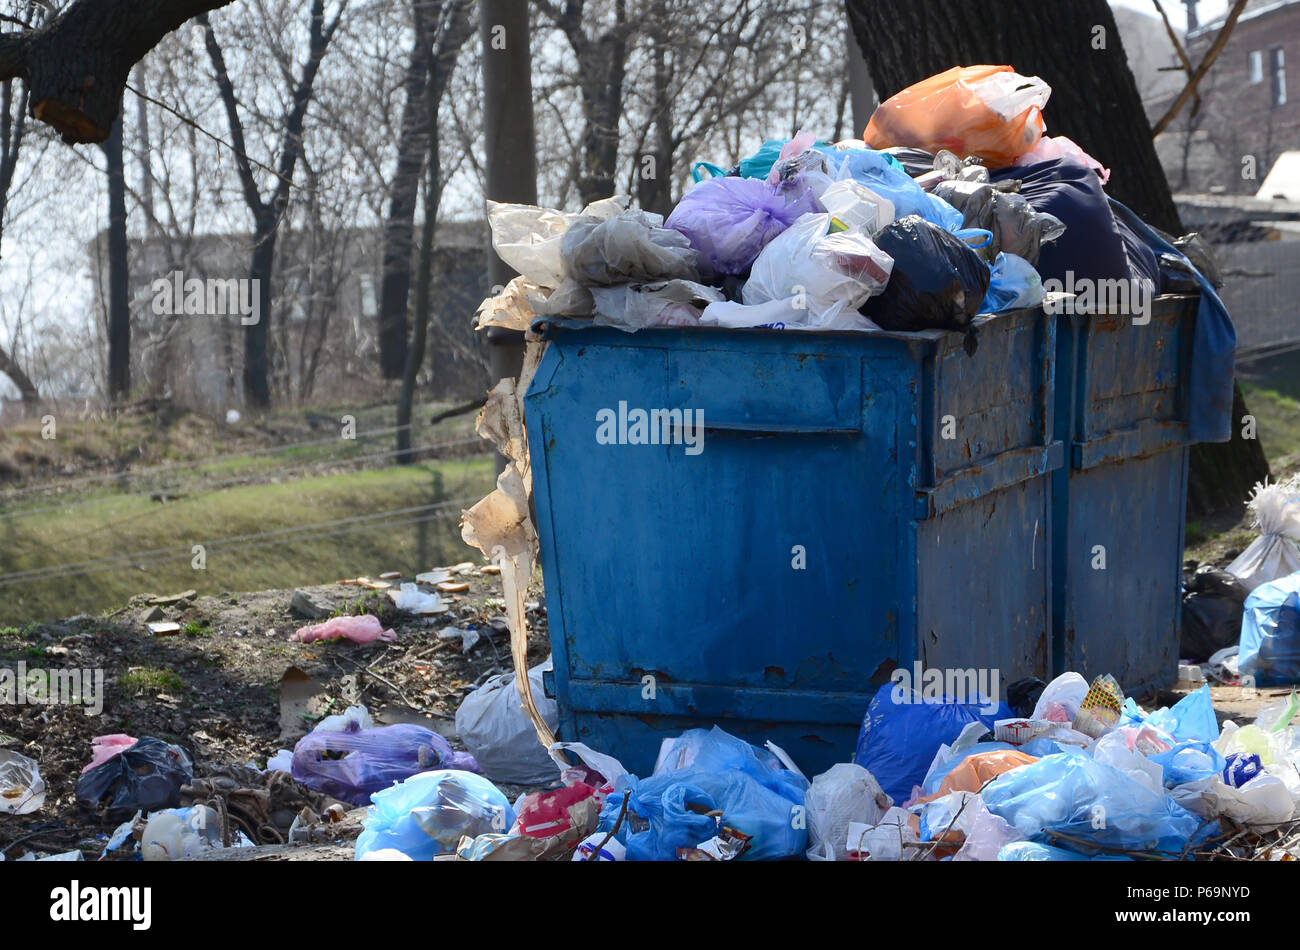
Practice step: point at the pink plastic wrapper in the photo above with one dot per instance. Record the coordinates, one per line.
(1061, 146)
(104, 748)
(363, 629)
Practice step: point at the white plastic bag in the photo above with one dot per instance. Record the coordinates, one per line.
(671, 303)
(492, 724)
(22, 790)
(1276, 552)
(824, 277)
(528, 237)
(844, 794)
(1066, 693)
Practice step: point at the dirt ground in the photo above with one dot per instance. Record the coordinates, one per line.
(231, 688)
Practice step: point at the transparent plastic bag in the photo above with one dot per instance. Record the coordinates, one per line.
(528, 237)
(1068, 792)
(844, 794)
(670, 303)
(730, 220)
(492, 724)
(1276, 552)
(826, 274)
(631, 246)
(1013, 285)
(429, 813)
(353, 764)
(22, 790)
(1270, 633)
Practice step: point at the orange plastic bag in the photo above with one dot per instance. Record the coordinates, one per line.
(975, 770)
(988, 111)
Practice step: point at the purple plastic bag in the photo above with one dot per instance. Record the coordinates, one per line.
(729, 220)
(370, 760)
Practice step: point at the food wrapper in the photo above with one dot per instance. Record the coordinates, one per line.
(1099, 712)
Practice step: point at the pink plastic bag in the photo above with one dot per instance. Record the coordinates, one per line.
(363, 629)
(104, 748)
(1061, 146)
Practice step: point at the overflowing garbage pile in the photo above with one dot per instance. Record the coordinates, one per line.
(955, 203)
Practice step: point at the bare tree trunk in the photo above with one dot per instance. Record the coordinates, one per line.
(510, 148)
(453, 30)
(26, 388)
(403, 193)
(1076, 48)
(119, 297)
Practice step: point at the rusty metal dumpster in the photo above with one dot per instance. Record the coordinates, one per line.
(754, 528)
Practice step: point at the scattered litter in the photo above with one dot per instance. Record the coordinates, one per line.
(364, 628)
(413, 600)
(353, 763)
(1276, 552)
(492, 724)
(146, 776)
(164, 628)
(22, 790)
(428, 814)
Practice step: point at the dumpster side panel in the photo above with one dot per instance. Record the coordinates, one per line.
(756, 584)
(1121, 506)
(1123, 570)
(983, 590)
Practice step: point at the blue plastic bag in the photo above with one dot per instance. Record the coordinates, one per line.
(901, 733)
(1191, 718)
(428, 813)
(1076, 795)
(350, 764)
(660, 817)
(1015, 285)
(881, 174)
(730, 220)
(1188, 762)
(1270, 633)
(1034, 851)
(716, 750)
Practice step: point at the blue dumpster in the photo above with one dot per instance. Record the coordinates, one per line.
(1120, 503)
(860, 502)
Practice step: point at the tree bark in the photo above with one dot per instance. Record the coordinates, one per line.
(453, 30)
(1075, 47)
(403, 195)
(119, 297)
(76, 66)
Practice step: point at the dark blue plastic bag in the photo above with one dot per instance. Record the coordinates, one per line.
(901, 733)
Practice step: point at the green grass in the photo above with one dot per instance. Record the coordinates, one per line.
(151, 679)
(1278, 417)
(134, 524)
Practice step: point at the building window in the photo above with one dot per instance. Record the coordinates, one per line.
(1256, 66)
(1277, 65)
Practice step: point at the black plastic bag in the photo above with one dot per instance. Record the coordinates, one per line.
(146, 777)
(1212, 612)
(938, 282)
(1022, 695)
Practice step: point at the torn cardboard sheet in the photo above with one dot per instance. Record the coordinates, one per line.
(501, 525)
